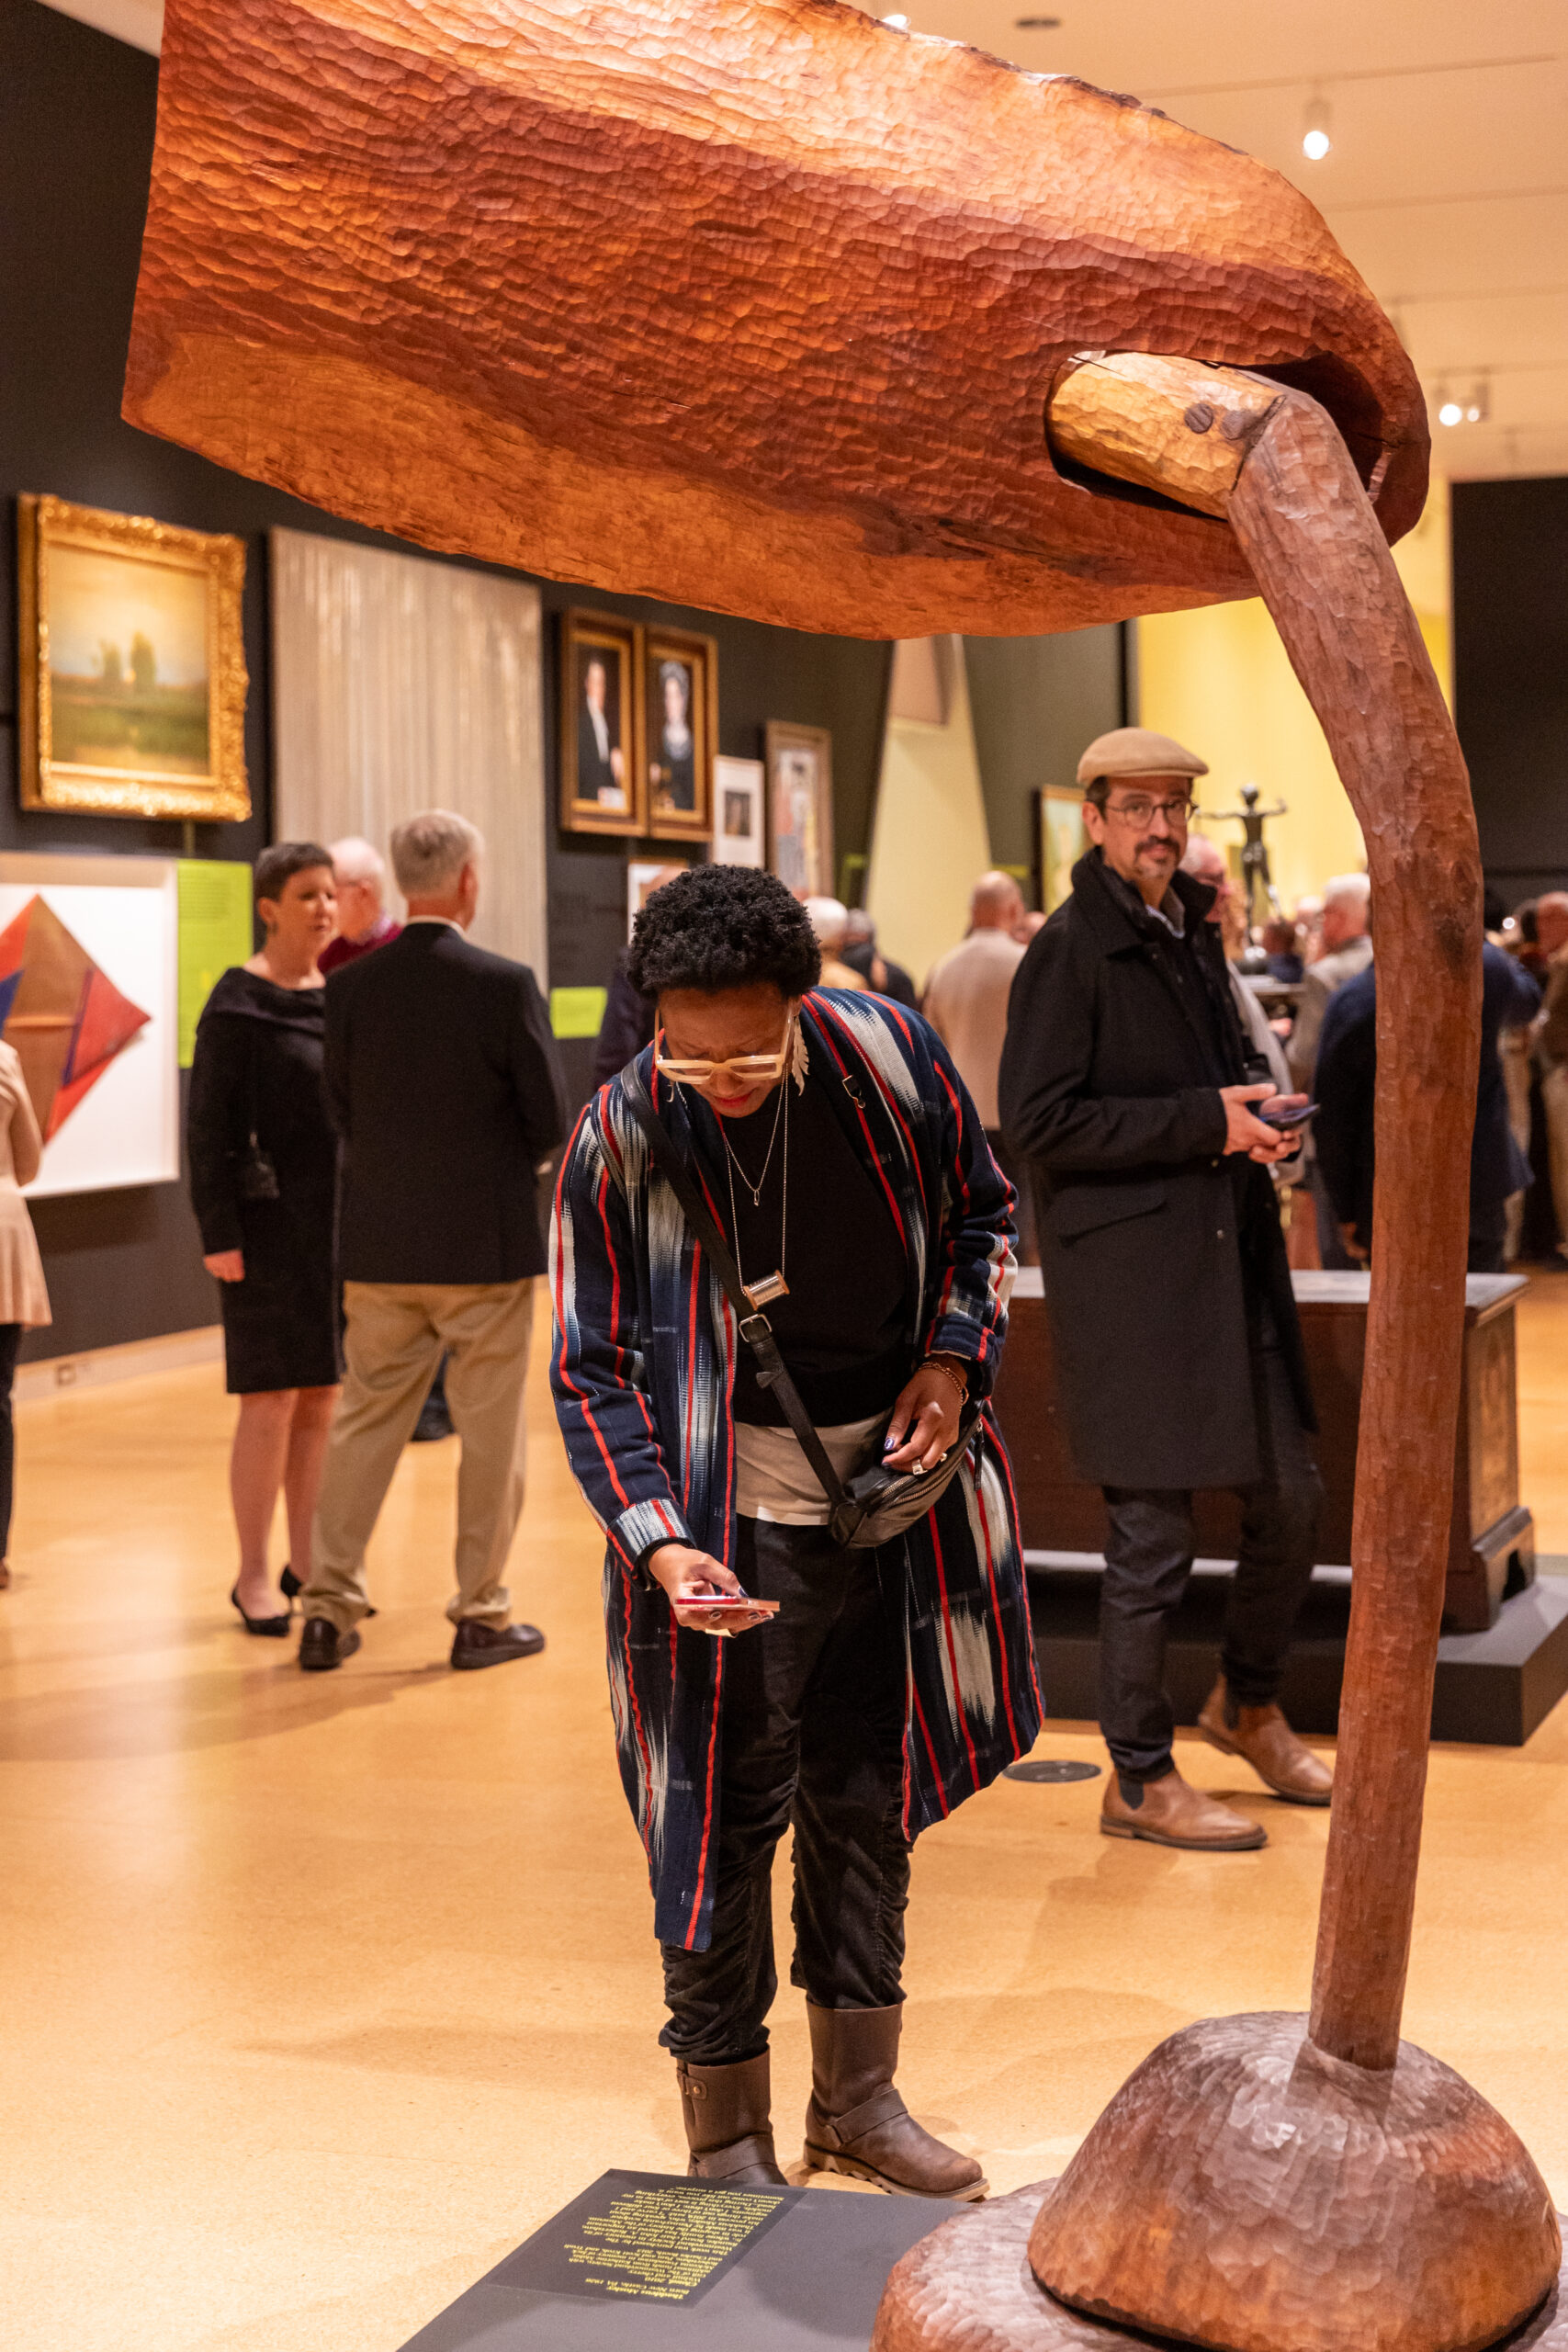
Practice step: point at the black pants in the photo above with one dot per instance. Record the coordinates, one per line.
(1149, 1558)
(812, 1733)
(10, 1340)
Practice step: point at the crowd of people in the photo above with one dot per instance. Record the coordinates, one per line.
(786, 1232)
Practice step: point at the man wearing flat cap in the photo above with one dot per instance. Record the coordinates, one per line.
(1128, 1084)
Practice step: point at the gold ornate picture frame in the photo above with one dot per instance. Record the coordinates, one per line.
(680, 731)
(604, 781)
(132, 669)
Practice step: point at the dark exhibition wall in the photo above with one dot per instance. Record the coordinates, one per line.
(77, 125)
(1510, 607)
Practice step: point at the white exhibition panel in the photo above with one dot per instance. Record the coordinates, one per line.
(125, 912)
(399, 684)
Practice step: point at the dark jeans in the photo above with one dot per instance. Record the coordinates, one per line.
(812, 1733)
(10, 1340)
(1149, 1558)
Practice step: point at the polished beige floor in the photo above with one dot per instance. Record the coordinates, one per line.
(319, 1993)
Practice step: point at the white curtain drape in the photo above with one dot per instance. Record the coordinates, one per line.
(400, 685)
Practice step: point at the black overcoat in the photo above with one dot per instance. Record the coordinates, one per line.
(1108, 1089)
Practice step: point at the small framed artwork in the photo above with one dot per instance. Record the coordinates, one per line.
(132, 672)
(800, 808)
(739, 824)
(644, 876)
(679, 733)
(601, 752)
(1062, 842)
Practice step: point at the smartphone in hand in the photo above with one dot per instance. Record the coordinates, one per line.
(1287, 1122)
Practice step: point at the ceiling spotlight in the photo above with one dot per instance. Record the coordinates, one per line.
(1315, 140)
(1449, 411)
(1478, 408)
(899, 23)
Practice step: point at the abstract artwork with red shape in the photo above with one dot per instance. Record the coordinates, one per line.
(62, 1014)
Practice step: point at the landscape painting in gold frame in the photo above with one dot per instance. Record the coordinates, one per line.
(132, 668)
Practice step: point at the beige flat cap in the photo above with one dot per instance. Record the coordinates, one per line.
(1138, 751)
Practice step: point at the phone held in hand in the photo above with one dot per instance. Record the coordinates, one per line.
(1287, 1122)
(730, 1604)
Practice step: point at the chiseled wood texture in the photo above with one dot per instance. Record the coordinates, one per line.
(749, 304)
(1245, 2191)
(1162, 423)
(969, 2287)
(1326, 573)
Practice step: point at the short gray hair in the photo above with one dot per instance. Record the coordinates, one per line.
(356, 860)
(431, 851)
(828, 919)
(1349, 890)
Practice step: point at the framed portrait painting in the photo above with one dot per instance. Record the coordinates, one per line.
(800, 808)
(739, 820)
(132, 669)
(601, 750)
(680, 730)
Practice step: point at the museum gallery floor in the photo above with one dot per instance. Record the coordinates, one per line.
(321, 1994)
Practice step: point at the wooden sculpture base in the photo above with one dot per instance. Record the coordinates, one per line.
(1244, 2191)
(969, 2287)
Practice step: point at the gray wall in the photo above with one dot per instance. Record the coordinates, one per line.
(1037, 702)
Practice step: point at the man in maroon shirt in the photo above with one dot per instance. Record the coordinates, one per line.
(363, 920)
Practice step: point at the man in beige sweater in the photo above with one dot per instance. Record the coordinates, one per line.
(967, 1004)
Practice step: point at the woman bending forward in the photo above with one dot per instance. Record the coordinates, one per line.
(837, 1148)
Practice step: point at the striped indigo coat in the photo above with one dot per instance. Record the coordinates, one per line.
(643, 1370)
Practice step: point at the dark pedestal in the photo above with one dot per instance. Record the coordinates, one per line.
(811, 2281)
(1492, 1542)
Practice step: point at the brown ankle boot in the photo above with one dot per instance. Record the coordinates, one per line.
(1265, 1739)
(729, 2126)
(858, 2124)
(1170, 1812)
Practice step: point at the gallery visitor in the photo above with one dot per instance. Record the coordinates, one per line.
(830, 1136)
(443, 1082)
(23, 1296)
(360, 872)
(263, 1173)
(1127, 1083)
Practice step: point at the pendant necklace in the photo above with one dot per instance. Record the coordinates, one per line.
(761, 1294)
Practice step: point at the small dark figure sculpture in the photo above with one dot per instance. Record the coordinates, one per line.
(1256, 882)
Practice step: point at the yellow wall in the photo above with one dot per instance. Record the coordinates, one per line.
(1218, 680)
(930, 843)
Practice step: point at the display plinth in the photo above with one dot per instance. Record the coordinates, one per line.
(969, 2289)
(805, 2276)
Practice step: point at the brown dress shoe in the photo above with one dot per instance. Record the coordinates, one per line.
(857, 2123)
(1170, 1812)
(476, 1644)
(728, 2123)
(1262, 1736)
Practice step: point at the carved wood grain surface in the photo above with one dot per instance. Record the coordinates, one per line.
(753, 304)
(1303, 520)
(969, 2287)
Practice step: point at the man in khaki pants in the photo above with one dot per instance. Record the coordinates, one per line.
(442, 1083)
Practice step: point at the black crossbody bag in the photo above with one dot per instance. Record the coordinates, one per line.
(877, 1503)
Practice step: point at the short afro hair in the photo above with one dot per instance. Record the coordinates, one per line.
(723, 927)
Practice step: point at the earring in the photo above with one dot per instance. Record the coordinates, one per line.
(799, 1062)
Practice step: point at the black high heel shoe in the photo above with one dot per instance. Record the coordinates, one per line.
(292, 1587)
(275, 1628)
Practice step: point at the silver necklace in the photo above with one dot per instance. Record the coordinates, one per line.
(761, 1294)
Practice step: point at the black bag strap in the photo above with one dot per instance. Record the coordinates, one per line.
(755, 1328)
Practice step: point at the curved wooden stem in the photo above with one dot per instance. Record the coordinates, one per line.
(1326, 573)
(1274, 465)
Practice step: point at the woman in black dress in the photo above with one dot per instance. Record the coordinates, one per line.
(263, 1178)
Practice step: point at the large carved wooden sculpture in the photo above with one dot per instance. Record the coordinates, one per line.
(760, 306)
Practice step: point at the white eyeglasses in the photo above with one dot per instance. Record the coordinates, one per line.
(741, 1069)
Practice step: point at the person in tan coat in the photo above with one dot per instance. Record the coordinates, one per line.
(24, 1298)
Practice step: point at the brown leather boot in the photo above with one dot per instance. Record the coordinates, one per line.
(1262, 1736)
(857, 2123)
(728, 2123)
(1170, 1812)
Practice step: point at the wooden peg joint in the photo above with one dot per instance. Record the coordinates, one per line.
(1147, 419)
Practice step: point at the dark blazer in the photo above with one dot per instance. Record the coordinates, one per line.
(1346, 1084)
(1110, 1092)
(442, 1081)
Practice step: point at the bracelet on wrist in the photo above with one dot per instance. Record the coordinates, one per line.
(951, 1372)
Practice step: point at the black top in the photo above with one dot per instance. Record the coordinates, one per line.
(257, 1063)
(443, 1080)
(840, 1331)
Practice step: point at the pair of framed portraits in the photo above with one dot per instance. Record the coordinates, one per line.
(132, 665)
(640, 728)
